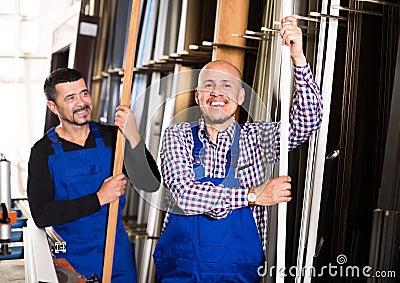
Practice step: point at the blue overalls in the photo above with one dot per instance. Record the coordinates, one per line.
(197, 248)
(76, 174)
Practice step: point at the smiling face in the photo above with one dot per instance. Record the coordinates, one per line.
(219, 93)
(73, 104)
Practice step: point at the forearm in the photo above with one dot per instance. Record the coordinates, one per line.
(194, 198)
(55, 212)
(300, 61)
(306, 114)
(142, 168)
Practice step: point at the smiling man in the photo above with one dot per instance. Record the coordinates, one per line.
(219, 93)
(215, 175)
(70, 182)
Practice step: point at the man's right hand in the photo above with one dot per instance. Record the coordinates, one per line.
(274, 191)
(111, 189)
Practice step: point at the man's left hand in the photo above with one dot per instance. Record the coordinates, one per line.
(292, 36)
(126, 122)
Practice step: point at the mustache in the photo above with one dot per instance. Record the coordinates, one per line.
(80, 108)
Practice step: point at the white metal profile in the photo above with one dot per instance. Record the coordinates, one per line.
(320, 150)
(285, 94)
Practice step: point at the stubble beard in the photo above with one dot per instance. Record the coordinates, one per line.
(219, 120)
(87, 120)
(74, 121)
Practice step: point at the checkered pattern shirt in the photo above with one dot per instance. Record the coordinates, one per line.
(259, 149)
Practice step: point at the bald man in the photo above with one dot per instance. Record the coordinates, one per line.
(214, 172)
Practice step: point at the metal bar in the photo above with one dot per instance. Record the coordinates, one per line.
(208, 43)
(356, 10)
(316, 14)
(307, 199)
(250, 36)
(250, 32)
(58, 243)
(385, 3)
(270, 29)
(306, 18)
(200, 48)
(276, 23)
(285, 94)
(273, 30)
(320, 150)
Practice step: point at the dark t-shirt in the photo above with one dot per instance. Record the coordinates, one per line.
(49, 212)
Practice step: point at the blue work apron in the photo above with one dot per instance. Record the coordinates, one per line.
(76, 174)
(197, 248)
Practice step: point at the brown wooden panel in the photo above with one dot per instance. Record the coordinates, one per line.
(231, 17)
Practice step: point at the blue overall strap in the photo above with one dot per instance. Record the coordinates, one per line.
(232, 156)
(198, 152)
(96, 133)
(55, 142)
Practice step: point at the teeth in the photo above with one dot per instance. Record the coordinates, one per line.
(217, 103)
(80, 111)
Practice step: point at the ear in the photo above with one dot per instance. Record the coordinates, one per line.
(241, 97)
(196, 96)
(52, 106)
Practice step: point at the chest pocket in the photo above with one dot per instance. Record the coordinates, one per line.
(252, 170)
(83, 171)
(83, 180)
(246, 161)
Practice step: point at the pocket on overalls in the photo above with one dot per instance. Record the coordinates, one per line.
(79, 177)
(177, 239)
(214, 239)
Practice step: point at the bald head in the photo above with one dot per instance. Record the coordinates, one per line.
(225, 65)
(220, 66)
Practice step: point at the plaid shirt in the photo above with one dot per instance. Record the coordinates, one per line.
(259, 149)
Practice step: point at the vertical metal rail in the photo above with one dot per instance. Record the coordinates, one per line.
(306, 210)
(285, 94)
(326, 91)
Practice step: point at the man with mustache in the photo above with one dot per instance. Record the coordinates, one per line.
(70, 182)
(215, 174)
